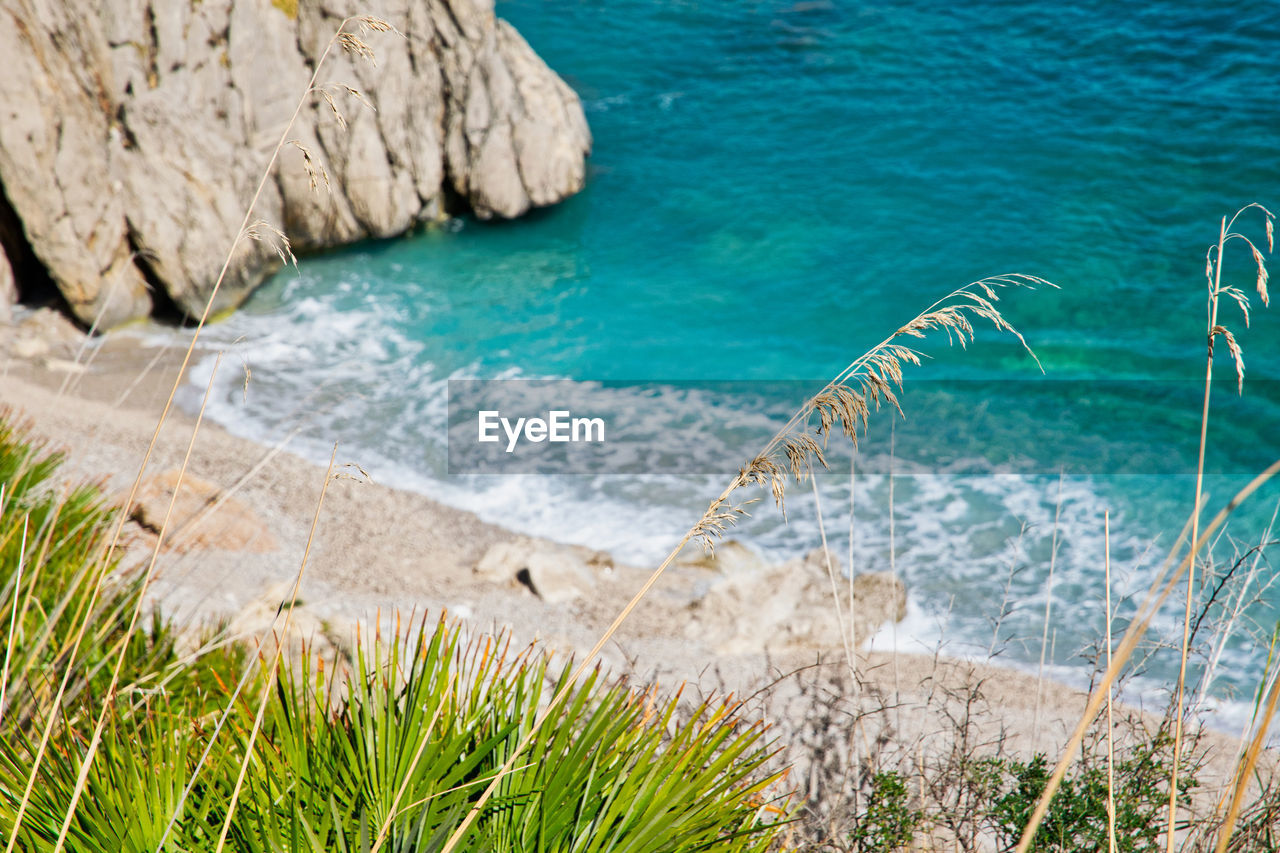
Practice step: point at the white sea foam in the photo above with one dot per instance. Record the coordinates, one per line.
(973, 550)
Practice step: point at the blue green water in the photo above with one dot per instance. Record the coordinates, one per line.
(774, 187)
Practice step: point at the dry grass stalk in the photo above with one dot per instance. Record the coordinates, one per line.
(853, 618)
(73, 378)
(1248, 591)
(109, 696)
(259, 640)
(846, 401)
(1245, 771)
(1111, 726)
(1048, 611)
(1213, 276)
(395, 810)
(13, 618)
(1163, 586)
(847, 637)
(893, 574)
(350, 43)
(269, 682)
(1007, 603)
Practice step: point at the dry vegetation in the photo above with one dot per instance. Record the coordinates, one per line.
(438, 744)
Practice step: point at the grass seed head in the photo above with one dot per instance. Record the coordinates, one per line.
(1237, 356)
(874, 379)
(357, 46)
(1262, 270)
(333, 106)
(316, 171)
(264, 232)
(370, 24)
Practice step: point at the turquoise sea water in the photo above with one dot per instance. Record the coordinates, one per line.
(775, 187)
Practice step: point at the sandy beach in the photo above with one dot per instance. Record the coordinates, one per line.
(686, 221)
(379, 550)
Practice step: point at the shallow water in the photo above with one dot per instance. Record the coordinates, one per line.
(775, 187)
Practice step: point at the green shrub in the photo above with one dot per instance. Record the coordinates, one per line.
(429, 720)
(889, 822)
(422, 725)
(1077, 817)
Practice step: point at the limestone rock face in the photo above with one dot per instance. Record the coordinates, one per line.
(506, 127)
(56, 113)
(133, 134)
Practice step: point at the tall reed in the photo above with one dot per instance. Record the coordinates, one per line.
(845, 403)
(1216, 292)
(1175, 570)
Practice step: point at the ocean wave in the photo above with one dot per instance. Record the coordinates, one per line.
(974, 551)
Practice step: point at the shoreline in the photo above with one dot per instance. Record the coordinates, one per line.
(380, 550)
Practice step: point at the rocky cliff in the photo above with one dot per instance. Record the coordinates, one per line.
(133, 133)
